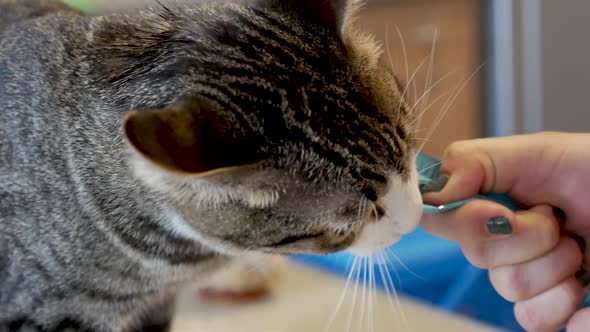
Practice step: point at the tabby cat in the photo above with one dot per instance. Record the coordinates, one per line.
(140, 152)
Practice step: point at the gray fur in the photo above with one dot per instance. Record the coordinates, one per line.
(86, 241)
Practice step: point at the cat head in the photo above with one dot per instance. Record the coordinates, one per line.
(292, 136)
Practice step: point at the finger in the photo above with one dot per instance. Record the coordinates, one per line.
(550, 310)
(523, 166)
(522, 281)
(468, 222)
(535, 233)
(580, 321)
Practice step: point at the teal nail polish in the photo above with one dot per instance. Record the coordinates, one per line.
(435, 185)
(499, 226)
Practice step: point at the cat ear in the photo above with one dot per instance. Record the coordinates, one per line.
(188, 138)
(334, 13)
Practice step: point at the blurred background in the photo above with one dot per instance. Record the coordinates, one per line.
(509, 67)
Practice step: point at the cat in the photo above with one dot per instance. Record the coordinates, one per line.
(140, 152)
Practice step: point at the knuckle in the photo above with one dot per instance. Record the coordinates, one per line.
(534, 315)
(579, 321)
(545, 233)
(548, 234)
(477, 255)
(512, 282)
(572, 251)
(458, 148)
(550, 135)
(528, 317)
(572, 295)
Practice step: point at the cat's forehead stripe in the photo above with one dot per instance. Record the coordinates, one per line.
(281, 81)
(266, 68)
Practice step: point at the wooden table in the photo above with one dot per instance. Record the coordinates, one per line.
(303, 301)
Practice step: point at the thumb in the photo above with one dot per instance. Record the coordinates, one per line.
(521, 166)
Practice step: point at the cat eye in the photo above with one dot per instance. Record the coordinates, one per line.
(295, 238)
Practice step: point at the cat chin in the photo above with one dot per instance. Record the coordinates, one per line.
(373, 239)
(403, 206)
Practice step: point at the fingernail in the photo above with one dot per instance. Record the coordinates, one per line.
(499, 225)
(435, 185)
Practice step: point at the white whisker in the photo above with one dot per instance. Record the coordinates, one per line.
(419, 139)
(418, 130)
(429, 75)
(373, 293)
(396, 298)
(361, 208)
(405, 53)
(407, 87)
(450, 102)
(425, 109)
(429, 167)
(444, 108)
(394, 269)
(349, 261)
(386, 286)
(364, 295)
(413, 76)
(342, 295)
(425, 94)
(353, 303)
(388, 48)
(391, 254)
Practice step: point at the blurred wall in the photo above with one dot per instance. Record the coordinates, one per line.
(566, 64)
(540, 54)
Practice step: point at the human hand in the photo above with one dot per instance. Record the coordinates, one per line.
(531, 254)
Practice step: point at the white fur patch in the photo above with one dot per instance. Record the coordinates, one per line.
(198, 188)
(151, 174)
(403, 206)
(202, 191)
(353, 7)
(181, 227)
(259, 198)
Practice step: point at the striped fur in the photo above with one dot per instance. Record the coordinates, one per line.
(96, 235)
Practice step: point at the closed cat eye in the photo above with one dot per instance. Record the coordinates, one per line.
(294, 238)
